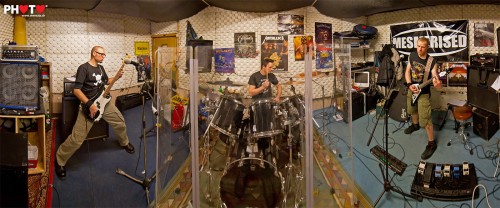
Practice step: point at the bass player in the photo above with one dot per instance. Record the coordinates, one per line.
(90, 81)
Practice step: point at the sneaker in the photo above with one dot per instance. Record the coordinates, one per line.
(412, 128)
(429, 150)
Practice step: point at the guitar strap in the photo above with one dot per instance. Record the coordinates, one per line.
(428, 68)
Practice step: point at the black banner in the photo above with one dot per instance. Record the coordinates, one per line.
(449, 40)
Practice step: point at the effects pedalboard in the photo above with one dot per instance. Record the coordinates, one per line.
(446, 182)
(394, 163)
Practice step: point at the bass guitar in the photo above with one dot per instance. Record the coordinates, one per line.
(415, 96)
(101, 100)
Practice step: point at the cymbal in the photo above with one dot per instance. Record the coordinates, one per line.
(292, 83)
(303, 74)
(227, 82)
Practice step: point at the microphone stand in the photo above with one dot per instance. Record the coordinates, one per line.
(385, 175)
(146, 181)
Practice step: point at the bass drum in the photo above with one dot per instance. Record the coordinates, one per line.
(246, 184)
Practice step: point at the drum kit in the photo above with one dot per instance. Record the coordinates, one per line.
(255, 159)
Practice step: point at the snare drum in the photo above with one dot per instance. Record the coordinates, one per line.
(245, 184)
(228, 117)
(265, 119)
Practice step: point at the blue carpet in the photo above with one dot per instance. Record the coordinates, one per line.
(408, 148)
(91, 178)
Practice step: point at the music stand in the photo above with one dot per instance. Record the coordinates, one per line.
(387, 184)
(146, 181)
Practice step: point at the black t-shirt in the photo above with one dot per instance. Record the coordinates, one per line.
(257, 79)
(89, 79)
(418, 70)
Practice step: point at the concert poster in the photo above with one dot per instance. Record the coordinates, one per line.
(290, 24)
(224, 60)
(324, 58)
(323, 32)
(484, 35)
(275, 47)
(144, 69)
(301, 44)
(458, 76)
(244, 45)
(442, 67)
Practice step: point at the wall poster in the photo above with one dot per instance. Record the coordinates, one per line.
(301, 44)
(275, 47)
(324, 57)
(244, 45)
(224, 60)
(290, 24)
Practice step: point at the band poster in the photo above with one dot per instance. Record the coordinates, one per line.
(275, 47)
(244, 45)
(224, 60)
(324, 57)
(484, 35)
(458, 76)
(144, 70)
(448, 39)
(301, 45)
(290, 24)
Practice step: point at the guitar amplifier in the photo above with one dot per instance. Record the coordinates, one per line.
(479, 81)
(358, 106)
(70, 106)
(68, 86)
(484, 123)
(484, 60)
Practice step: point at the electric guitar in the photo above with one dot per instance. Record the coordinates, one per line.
(415, 96)
(101, 100)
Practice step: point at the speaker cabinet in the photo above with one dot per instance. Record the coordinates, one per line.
(479, 81)
(13, 170)
(70, 107)
(485, 124)
(20, 84)
(358, 106)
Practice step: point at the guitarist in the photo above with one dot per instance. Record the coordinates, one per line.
(421, 67)
(90, 80)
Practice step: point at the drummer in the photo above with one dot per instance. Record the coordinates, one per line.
(259, 84)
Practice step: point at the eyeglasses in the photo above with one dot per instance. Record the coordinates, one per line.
(102, 54)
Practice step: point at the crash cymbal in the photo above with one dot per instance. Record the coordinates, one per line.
(303, 74)
(292, 82)
(228, 83)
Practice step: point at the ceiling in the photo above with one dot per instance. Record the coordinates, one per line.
(172, 10)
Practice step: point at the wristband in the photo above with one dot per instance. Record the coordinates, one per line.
(89, 103)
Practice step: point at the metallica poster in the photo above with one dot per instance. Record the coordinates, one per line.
(275, 47)
(244, 45)
(448, 39)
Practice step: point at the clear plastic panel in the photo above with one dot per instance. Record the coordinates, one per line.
(173, 150)
(333, 153)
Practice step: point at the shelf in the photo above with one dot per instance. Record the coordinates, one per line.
(36, 138)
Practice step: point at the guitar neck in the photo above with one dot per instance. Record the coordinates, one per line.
(106, 92)
(424, 84)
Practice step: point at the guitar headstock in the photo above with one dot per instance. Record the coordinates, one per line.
(445, 72)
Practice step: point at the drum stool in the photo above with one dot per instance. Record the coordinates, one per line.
(461, 114)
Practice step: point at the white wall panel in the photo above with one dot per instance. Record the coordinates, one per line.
(164, 28)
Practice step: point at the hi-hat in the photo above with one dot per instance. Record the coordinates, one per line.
(303, 74)
(228, 83)
(292, 82)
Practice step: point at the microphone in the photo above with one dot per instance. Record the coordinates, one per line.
(128, 61)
